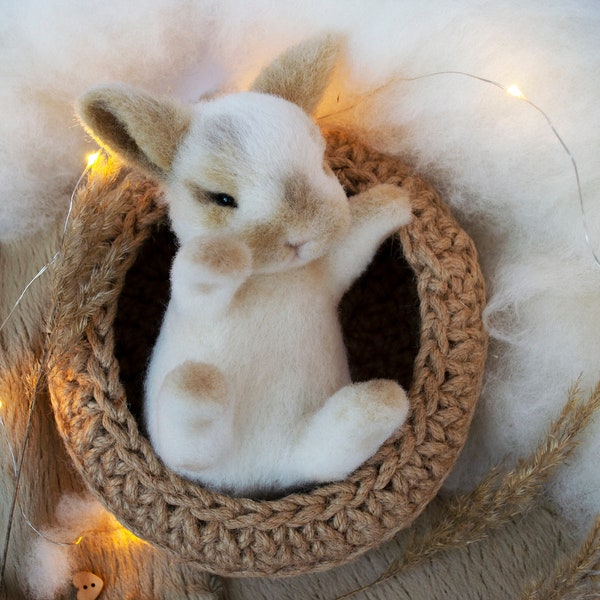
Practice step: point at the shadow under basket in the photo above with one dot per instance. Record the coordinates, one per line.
(415, 316)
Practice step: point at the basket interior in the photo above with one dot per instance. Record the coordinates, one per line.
(379, 316)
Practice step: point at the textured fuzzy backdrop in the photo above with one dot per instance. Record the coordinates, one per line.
(494, 157)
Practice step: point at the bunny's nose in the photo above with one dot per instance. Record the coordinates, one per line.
(298, 245)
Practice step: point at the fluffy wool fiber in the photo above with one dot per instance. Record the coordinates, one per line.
(50, 566)
(494, 157)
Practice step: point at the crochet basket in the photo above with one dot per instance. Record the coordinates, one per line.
(114, 218)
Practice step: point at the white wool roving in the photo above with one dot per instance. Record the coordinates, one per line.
(493, 156)
(52, 52)
(49, 569)
(50, 565)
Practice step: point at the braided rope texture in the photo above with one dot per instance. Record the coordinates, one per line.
(113, 215)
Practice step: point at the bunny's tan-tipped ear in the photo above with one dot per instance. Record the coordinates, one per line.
(143, 130)
(302, 73)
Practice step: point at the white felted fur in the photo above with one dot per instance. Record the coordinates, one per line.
(493, 156)
(248, 388)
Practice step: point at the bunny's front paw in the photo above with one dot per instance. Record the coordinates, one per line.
(214, 267)
(385, 200)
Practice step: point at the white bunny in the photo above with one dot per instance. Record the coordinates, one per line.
(248, 389)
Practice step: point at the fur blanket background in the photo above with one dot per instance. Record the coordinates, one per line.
(494, 158)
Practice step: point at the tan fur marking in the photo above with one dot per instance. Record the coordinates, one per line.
(214, 216)
(219, 179)
(200, 379)
(303, 212)
(299, 195)
(303, 200)
(226, 135)
(385, 390)
(143, 130)
(301, 74)
(267, 241)
(378, 202)
(223, 256)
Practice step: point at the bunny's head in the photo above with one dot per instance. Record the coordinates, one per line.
(249, 164)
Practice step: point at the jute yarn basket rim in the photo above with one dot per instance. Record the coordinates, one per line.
(112, 216)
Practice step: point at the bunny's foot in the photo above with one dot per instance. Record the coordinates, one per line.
(349, 429)
(194, 420)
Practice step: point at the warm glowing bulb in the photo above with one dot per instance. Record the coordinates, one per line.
(123, 536)
(514, 90)
(92, 158)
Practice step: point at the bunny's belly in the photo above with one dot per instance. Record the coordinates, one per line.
(281, 365)
(278, 385)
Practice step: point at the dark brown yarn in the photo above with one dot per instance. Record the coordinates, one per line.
(112, 219)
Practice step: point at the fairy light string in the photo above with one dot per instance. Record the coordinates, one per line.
(512, 90)
(21, 509)
(19, 466)
(18, 463)
(91, 160)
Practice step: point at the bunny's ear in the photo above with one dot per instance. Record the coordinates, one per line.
(144, 130)
(302, 73)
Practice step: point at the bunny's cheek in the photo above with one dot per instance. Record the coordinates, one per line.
(267, 243)
(216, 217)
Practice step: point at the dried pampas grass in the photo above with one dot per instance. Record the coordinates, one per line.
(574, 579)
(500, 497)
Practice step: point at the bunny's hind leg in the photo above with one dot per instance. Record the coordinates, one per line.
(348, 429)
(194, 418)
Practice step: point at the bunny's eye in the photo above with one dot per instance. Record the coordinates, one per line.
(221, 199)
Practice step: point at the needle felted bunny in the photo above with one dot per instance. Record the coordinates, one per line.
(248, 389)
